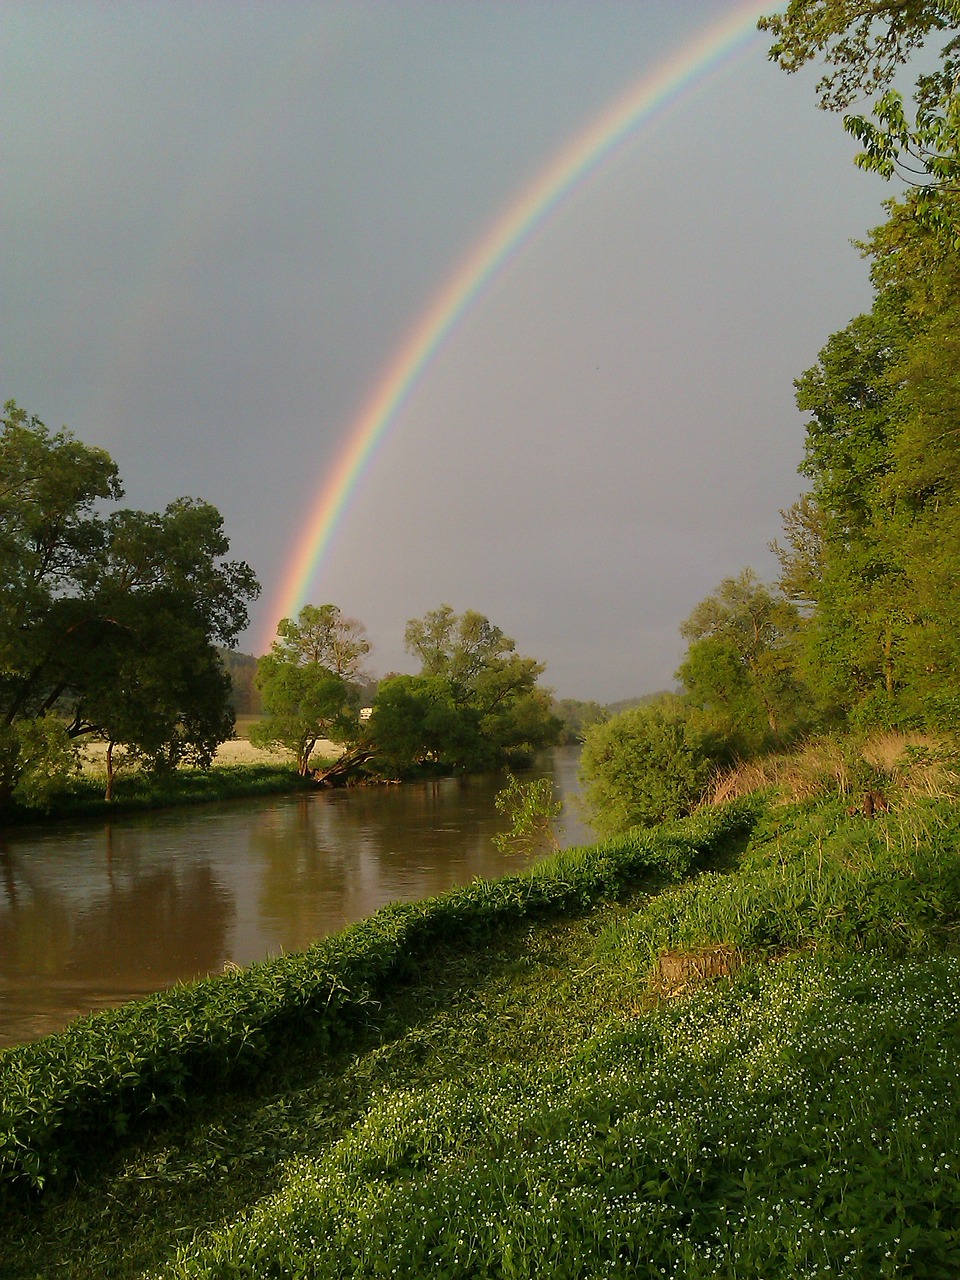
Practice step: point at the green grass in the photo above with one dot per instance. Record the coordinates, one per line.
(137, 792)
(523, 1104)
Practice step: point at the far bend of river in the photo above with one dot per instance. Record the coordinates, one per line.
(97, 913)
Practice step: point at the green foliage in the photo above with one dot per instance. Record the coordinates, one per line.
(108, 1073)
(242, 670)
(304, 682)
(882, 642)
(884, 633)
(812, 879)
(863, 42)
(530, 808)
(799, 1122)
(417, 722)
(740, 669)
(527, 1107)
(474, 706)
(41, 756)
(138, 790)
(578, 716)
(321, 636)
(110, 620)
(644, 766)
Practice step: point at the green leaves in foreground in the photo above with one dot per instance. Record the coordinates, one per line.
(105, 1074)
(798, 1123)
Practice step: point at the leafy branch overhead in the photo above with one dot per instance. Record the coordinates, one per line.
(864, 44)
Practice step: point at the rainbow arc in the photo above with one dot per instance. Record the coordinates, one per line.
(714, 50)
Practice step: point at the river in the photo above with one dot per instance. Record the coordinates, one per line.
(96, 913)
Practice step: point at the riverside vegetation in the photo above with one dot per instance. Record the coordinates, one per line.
(537, 1076)
(716, 1045)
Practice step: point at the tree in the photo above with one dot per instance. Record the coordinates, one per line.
(110, 621)
(802, 556)
(644, 766)
(531, 809)
(303, 682)
(460, 647)
(578, 716)
(883, 458)
(417, 722)
(863, 44)
(474, 705)
(740, 669)
(323, 636)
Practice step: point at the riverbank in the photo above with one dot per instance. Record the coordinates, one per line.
(565, 1090)
(239, 771)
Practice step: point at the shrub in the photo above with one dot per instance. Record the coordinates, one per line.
(647, 765)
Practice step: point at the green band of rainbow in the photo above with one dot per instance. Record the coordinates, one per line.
(673, 79)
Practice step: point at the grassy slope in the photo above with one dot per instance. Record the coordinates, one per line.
(531, 1108)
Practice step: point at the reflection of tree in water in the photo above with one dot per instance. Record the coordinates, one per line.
(305, 874)
(127, 933)
(334, 857)
(36, 927)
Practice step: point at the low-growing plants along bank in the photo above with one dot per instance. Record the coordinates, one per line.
(141, 791)
(525, 1096)
(107, 1073)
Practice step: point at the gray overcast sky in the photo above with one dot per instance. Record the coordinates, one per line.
(220, 220)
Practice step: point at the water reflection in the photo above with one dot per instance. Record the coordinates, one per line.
(96, 914)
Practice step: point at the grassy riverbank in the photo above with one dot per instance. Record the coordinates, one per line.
(138, 791)
(544, 1082)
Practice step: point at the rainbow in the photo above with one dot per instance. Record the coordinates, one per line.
(646, 100)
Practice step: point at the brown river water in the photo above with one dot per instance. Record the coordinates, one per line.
(94, 914)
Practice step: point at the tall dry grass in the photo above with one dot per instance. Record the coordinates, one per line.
(898, 767)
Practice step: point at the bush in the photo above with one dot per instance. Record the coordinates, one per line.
(647, 765)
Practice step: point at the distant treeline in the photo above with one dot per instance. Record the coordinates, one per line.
(577, 715)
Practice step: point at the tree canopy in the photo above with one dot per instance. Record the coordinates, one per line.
(110, 620)
(863, 45)
(308, 681)
(474, 705)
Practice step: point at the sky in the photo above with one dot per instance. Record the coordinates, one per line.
(221, 223)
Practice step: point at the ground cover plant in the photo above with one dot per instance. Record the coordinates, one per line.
(107, 1073)
(535, 1101)
(792, 1125)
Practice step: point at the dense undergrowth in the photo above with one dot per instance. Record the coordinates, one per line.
(526, 1094)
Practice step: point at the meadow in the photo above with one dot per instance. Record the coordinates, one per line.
(724, 1048)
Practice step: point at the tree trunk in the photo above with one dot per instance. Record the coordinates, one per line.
(339, 773)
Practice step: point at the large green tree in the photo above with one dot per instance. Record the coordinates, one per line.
(740, 672)
(307, 682)
(883, 459)
(474, 705)
(110, 621)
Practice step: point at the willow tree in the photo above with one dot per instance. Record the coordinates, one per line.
(308, 682)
